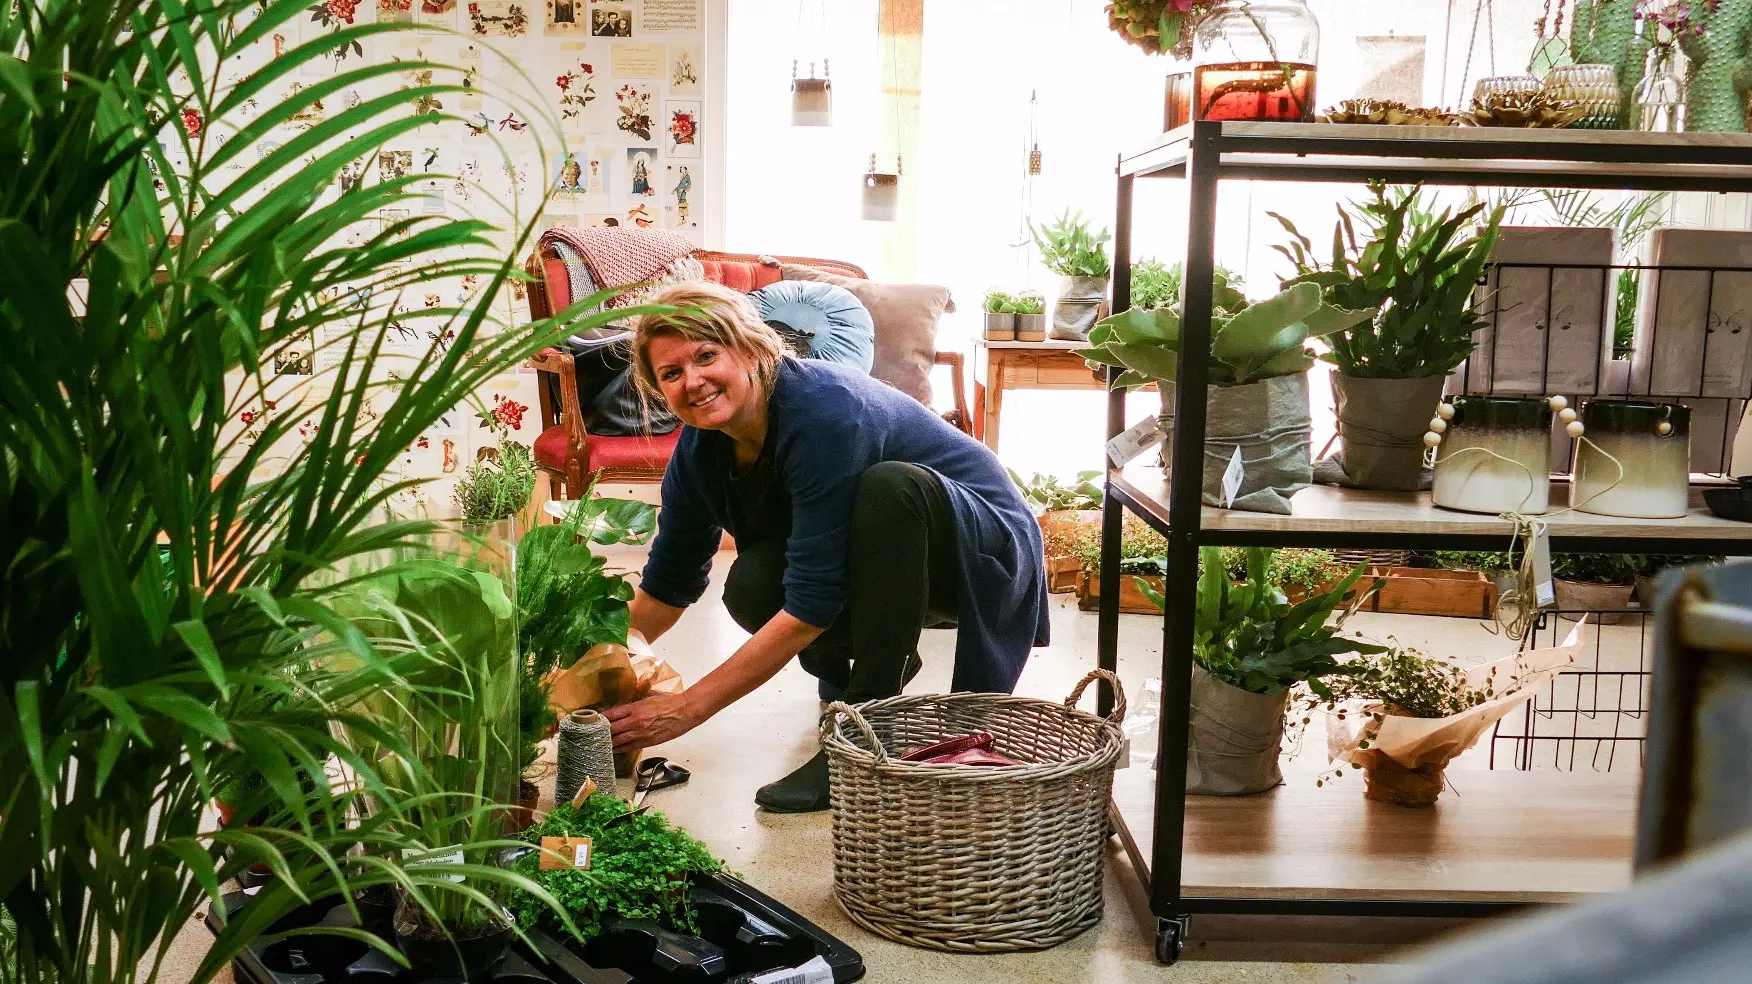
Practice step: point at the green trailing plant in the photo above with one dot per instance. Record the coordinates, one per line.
(1417, 267)
(170, 614)
(639, 869)
(568, 600)
(1249, 342)
(1049, 493)
(499, 486)
(1249, 636)
(1070, 246)
(1406, 682)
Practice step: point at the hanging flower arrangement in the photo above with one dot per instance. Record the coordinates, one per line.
(1158, 26)
(635, 111)
(577, 90)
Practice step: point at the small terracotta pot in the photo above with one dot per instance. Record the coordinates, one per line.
(1598, 598)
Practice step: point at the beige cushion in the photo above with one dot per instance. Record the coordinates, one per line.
(906, 326)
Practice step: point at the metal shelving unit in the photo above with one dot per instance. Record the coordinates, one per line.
(1187, 837)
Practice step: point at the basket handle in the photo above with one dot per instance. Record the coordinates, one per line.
(838, 708)
(1118, 714)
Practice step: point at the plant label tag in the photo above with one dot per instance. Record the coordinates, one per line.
(1544, 592)
(1124, 754)
(435, 857)
(560, 853)
(1140, 437)
(1232, 478)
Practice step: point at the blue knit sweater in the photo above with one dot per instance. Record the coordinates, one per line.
(826, 423)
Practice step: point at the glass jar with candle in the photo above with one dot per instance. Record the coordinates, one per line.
(1494, 455)
(1254, 60)
(1634, 460)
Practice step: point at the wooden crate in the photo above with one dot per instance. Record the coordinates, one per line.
(1062, 574)
(1062, 571)
(1427, 591)
(1131, 600)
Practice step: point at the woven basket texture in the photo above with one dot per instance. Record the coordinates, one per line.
(972, 859)
(1374, 558)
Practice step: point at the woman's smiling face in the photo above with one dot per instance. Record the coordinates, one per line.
(706, 385)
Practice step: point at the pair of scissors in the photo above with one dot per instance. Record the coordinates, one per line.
(655, 773)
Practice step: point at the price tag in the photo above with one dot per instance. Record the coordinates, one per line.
(1124, 754)
(816, 971)
(560, 853)
(1140, 437)
(1232, 478)
(1544, 591)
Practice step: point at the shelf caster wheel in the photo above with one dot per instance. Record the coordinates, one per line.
(1170, 939)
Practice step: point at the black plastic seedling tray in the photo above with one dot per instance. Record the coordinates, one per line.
(743, 933)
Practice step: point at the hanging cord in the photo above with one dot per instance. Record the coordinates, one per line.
(1478, 14)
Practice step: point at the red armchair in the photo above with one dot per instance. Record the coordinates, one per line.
(569, 454)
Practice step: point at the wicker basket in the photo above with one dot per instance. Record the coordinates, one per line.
(1373, 558)
(974, 859)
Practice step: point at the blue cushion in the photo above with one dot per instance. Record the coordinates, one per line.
(836, 323)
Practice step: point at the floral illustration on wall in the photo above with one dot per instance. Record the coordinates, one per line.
(577, 90)
(635, 111)
(505, 417)
(334, 15)
(682, 128)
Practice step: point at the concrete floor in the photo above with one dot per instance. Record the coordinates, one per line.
(789, 857)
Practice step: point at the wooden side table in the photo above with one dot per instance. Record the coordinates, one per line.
(1045, 365)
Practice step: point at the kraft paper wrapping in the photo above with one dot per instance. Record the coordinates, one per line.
(1417, 742)
(609, 675)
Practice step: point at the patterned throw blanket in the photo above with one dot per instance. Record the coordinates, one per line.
(640, 259)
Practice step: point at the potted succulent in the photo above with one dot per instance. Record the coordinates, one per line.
(1419, 269)
(1071, 248)
(1257, 405)
(1000, 317)
(1250, 648)
(1063, 510)
(1030, 310)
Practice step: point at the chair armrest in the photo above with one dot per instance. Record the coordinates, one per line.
(958, 416)
(569, 412)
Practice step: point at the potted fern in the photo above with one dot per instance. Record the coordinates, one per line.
(1071, 248)
(1420, 270)
(1257, 402)
(1250, 648)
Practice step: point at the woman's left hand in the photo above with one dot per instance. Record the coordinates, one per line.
(652, 721)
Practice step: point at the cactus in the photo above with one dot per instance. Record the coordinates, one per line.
(1603, 32)
(1721, 65)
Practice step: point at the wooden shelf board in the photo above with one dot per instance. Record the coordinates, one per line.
(1329, 509)
(1495, 836)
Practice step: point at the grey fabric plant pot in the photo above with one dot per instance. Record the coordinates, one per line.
(1234, 739)
(1382, 424)
(1268, 421)
(1078, 307)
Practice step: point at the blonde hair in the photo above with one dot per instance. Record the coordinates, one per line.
(706, 312)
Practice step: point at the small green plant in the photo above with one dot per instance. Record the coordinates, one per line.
(1406, 682)
(1419, 268)
(1249, 636)
(999, 302)
(1070, 247)
(1485, 561)
(498, 486)
(1154, 285)
(1050, 494)
(1142, 550)
(1607, 568)
(1028, 302)
(1249, 342)
(639, 869)
(1304, 569)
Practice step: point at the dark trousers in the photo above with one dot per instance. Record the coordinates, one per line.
(904, 575)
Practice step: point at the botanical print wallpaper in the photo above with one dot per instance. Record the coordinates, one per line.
(592, 110)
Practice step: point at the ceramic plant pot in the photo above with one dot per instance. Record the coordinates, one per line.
(1000, 326)
(1603, 601)
(1495, 456)
(1634, 460)
(1031, 327)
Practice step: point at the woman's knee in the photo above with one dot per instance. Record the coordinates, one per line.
(890, 492)
(754, 589)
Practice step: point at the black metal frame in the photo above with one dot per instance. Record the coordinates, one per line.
(1205, 153)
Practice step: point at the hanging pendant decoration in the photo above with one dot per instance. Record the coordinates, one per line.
(811, 98)
(1034, 158)
(882, 193)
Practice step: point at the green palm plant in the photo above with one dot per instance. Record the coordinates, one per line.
(171, 607)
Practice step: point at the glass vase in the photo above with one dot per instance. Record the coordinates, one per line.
(1593, 87)
(1255, 60)
(1658, 102)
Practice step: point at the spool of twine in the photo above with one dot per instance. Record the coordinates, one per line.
(585, 751)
